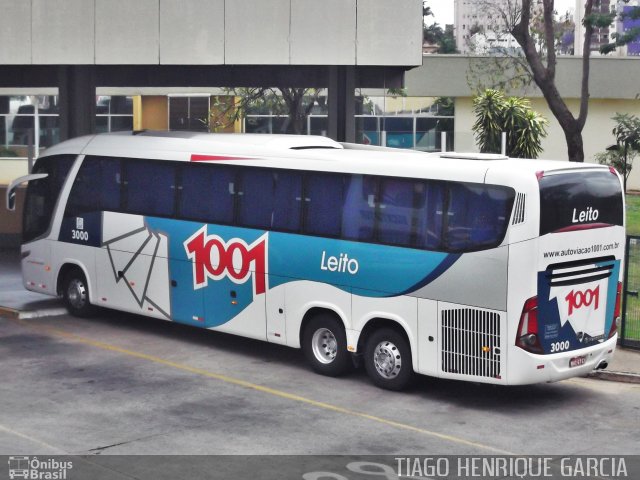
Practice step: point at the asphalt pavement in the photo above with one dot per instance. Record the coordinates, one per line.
(17, 302)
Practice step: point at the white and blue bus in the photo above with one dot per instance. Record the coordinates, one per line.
(460, 266)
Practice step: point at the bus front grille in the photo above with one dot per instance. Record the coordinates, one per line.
(471, 342)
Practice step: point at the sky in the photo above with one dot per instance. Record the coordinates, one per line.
(443, 9)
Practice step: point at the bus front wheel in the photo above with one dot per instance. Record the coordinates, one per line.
(75, 292)
(387, 359)
(324, 344)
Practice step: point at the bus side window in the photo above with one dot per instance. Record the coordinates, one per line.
(360, 208)
(324, 195)
(207, 194)
(111, 184)
(255, 197)
(83, 196)
(287, 201)
(430, 223)
(477, 216)
(400, 200)
(150, 188)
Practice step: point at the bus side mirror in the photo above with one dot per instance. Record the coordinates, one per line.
(11, 189)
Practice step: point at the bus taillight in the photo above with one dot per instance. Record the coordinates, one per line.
(616, 312)
(527, 338)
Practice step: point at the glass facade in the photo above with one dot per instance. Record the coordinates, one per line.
(35, 119)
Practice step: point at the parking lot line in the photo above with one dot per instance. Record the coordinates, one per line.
(24, 436)
(260, 388)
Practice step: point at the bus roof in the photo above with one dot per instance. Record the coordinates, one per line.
(310, 152)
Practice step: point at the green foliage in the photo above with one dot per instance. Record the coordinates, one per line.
(296, 103)
(435, 35)
(616, 159)
(627, 130)
(5, 152)
(496, 113)
(633, 214)
(397, 92)
(445, 106)
(448, 41)
(627, 148)
(619, 39)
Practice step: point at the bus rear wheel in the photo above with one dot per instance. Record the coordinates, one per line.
(75, 292)
(387, 359)
(324, 344)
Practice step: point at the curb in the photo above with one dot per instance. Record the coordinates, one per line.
(624, 377)
(9, 312)
(23, 315)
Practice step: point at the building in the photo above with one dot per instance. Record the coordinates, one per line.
(624, 26)
(600, 36)
(613, 89)
(485, 17)
(61, 55)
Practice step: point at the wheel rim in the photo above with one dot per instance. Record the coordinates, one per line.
(324, 345)
(387, 360)
(77, 293)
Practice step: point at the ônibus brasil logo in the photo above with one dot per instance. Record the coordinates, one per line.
(215, 259)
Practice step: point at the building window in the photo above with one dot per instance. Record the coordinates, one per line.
(114, 113)
(189, 113)
(27, 117)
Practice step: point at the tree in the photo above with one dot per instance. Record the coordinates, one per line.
(616, 158)
(435, 35)
(627, 133)
(627, 130)
(542, 63)
(296, 103)
(496, 113)
(448, 41)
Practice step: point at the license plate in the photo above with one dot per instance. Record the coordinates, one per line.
(577, 361)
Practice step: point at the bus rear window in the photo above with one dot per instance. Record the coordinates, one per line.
(573, 201)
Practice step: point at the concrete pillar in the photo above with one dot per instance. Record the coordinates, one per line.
(77, 97)
(342, 104)
(4, 108)
(150, 112)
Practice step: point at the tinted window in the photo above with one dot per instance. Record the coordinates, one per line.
(43, 194)
(477, 216)
(430, 216)
(360, 208)
(208, 193)
(324, 197)
(150, 188)
(270, 199)
(401, 209)
(96, 186)
(287, 201)
(577, 200)
(256, 198)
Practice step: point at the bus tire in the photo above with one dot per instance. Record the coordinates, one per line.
(75, 292)
(387, 360)
(324, 344)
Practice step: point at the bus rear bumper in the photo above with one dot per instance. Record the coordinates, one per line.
(531, 368)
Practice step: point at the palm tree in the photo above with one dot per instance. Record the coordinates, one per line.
(496, 113)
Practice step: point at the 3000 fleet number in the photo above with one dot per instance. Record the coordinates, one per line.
(559, 346)
(80, 235)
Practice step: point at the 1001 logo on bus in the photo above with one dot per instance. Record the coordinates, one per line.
(579, 299)
(214, 258)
